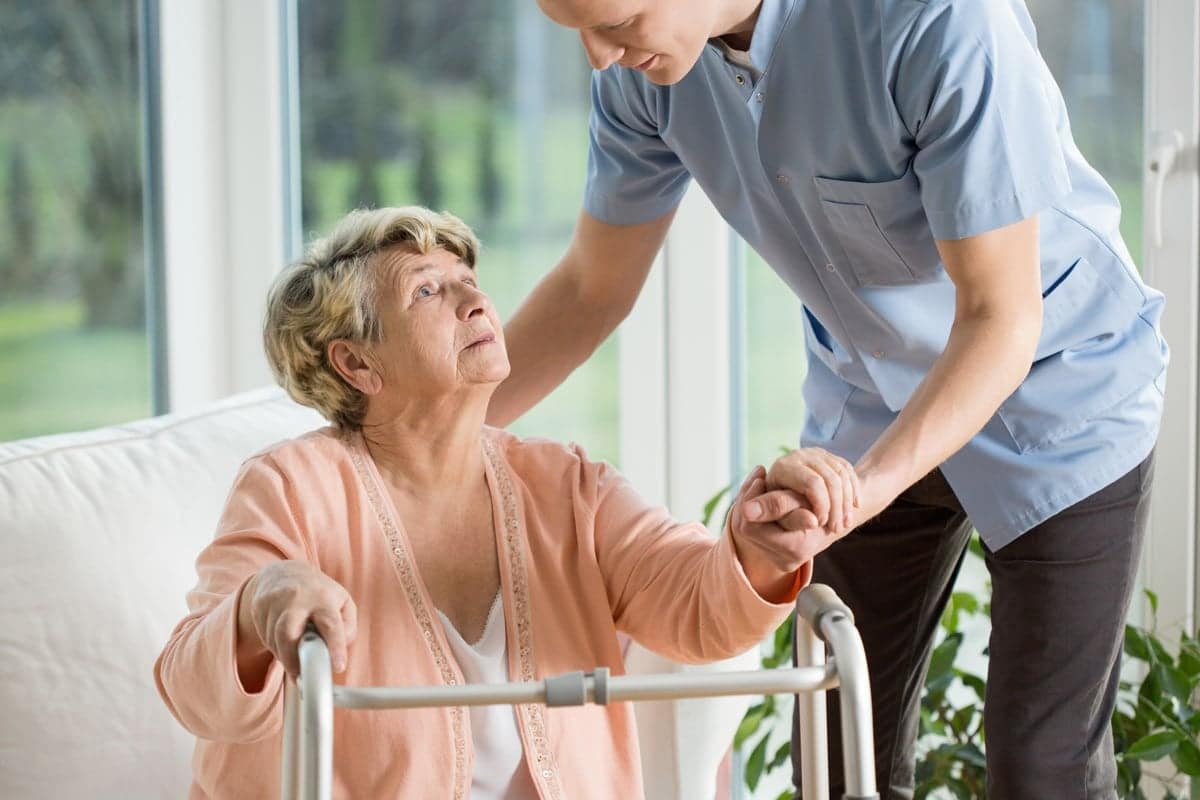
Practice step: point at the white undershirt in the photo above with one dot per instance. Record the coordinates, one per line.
(500, 772)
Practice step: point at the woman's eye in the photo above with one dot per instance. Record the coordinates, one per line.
(426, 291)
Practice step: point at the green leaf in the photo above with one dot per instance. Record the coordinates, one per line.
(1189, 656)
(1174, 683)
(1153, 598)
(976, 546)
(786, 794)
(1159, 650)
(750, 724)
(967, 602)
(961, 720)
(782, 755)
(942, 660)
(711, 505)
(960, 789)
(960, 603)
(971, 754)
(975, 682)
(1135, 644)
(1187, 758)
(755, 764)
(783, 636)
(1154, 746)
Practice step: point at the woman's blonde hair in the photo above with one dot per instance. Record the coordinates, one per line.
(332, 293)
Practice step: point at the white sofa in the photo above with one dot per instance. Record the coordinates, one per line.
(98, 535)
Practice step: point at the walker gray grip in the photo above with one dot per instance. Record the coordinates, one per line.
(600, 685)
(817, 601)
(566, 690)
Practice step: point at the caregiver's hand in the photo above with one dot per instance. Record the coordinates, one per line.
(769, 552)
(827, 482)
(276, 605)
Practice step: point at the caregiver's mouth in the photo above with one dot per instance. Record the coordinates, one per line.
(648, 63)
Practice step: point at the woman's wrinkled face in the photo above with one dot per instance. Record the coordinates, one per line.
(440, 331)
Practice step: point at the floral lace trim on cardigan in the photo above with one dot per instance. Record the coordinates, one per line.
(533, 715)
(409, 582)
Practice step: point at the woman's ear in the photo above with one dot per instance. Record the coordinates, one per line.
(355, 366)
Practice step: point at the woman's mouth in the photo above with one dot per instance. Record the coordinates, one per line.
(487, 338)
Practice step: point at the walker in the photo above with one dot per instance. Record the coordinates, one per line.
(821, 618)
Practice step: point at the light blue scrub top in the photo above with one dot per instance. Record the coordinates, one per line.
(867, 129)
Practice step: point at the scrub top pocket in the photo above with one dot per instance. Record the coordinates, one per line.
(1086, 317)
(882, 229)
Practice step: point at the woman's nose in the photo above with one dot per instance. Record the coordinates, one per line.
(472, 301)
(600, 53)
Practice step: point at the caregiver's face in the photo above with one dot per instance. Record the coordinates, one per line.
(440, 332)
(663, 38)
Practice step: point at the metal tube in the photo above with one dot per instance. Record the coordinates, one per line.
(290, 770)
(316, 718)
(696, 684)
(858, 739)
(625, 687)
(307, 764)
(810, 709)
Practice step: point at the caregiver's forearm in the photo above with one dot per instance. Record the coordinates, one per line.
(574, 308)
(985, 360)
(554, 331)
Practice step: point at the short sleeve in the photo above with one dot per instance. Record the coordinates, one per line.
(632, 175)
(984, 110)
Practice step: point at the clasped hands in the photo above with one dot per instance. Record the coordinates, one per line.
(783, 517)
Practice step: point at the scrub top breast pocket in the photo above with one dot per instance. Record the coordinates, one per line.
(882, 229)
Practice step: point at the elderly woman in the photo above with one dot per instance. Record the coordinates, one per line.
(430, 549)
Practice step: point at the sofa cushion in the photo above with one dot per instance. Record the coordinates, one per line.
(98, 536)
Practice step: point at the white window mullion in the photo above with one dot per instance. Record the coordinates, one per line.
(1173, 267)
(676, 399)
(255, 212)
(223, 161)
(642, 373)
(698, 326)
(193, 192)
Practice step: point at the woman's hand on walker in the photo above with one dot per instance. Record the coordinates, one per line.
(280, 600)
(828, 483)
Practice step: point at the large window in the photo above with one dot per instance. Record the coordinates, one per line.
(775, 363)
(1095, 49)
(74, 349)
(473, 106)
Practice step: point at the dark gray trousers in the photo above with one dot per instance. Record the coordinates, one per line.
(1060, 594)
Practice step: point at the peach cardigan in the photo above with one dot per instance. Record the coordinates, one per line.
(582, 557)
